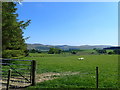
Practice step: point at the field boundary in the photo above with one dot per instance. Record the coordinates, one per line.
(17, 73)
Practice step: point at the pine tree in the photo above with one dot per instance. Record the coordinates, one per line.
(13, 43)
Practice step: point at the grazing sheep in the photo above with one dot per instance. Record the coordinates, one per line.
(81, 58)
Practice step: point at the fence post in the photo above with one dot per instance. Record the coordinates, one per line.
(33, 71)
(8, 81)
(96, 77)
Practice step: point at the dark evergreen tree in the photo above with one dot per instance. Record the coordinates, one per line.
(13, 43)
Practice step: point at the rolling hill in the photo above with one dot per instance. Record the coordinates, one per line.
(64, 47)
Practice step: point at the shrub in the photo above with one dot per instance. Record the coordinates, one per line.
(12, 53)
(92, 52)
(54, 51)
(34, 51)
(111, 52)
(101, 51)
(117, 51)
(51, 51)
(73, 52)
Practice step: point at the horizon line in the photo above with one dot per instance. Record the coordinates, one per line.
(75, 45)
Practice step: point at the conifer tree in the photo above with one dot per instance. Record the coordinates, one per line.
(13, 43)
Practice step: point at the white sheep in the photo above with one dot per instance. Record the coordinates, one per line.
(81, 58)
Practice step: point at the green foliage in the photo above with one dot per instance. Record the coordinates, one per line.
(34, 51)
(110, 52)
(58, 51)
(26, 52)
(54, 51)
(94, 48)
(73, 52)
(92, 52)
(12, 53)
(12, 27)
(51, 51)
(101, 51)
(116, 51)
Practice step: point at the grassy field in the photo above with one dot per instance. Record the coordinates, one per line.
(63, 63)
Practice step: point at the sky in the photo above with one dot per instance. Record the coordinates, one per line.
(70, 23)
(71, 1)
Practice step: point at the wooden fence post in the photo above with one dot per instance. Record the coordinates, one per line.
(96, 77)
(33, 72)
(8, 80)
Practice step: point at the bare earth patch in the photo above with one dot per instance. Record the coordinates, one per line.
(39, 78)
(50, 76)
(3, 83)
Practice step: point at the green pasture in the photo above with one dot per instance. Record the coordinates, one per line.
(108, 70)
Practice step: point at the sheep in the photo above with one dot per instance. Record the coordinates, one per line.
(81, 58)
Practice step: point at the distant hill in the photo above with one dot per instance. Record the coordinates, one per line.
(39, 46)
(64, 47)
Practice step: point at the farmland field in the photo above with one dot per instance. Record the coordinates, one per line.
(84, 69)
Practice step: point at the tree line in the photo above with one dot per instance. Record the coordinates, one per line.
(104, 51)
(51, 51)
(74, 51)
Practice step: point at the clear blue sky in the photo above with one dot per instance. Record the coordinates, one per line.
(71, 23)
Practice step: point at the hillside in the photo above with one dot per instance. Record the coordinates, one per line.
(64, 47)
